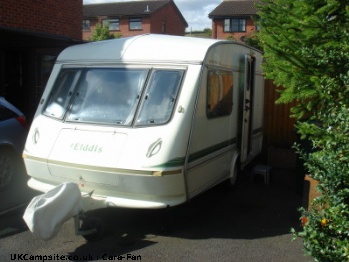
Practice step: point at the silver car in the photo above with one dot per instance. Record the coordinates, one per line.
(13, 133)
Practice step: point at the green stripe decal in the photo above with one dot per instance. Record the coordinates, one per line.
(179, 161)
(200, 154)
(258, 130)
(211, 149)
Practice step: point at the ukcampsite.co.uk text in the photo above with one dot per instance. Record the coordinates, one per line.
(57, 257)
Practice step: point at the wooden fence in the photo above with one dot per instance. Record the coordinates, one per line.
(278, 125)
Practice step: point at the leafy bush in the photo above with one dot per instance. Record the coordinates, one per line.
(326, 225)
(306, 50)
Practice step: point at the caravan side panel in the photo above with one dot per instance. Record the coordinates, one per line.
(215, 140)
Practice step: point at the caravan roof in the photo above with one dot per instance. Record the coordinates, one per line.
(150, 47)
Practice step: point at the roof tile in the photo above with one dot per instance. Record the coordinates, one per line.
(119, 9)
(234, 8)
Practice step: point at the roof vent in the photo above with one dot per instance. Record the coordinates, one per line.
(147, 10)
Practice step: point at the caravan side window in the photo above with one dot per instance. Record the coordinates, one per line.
(219, 93)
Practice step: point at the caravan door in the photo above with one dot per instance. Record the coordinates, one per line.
(246, 134)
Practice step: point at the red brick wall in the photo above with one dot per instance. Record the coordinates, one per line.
(218, 30)
(167, 21)
(56, 17)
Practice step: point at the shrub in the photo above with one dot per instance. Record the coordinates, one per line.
(306, 50)
(326, 225)
(101, 32)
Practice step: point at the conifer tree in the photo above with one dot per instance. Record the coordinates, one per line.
(306, 52)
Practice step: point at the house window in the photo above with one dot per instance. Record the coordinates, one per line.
(135, 23)
(219, 93)
(163, 30)
(114, 24)
(235, 25)
(86, 25)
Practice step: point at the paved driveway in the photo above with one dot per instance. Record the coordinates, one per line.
(250, 223)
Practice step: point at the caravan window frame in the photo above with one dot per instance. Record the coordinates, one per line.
(223, 96)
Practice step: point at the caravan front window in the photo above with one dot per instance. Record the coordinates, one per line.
(108, 96)
(102, 95)
(62, 92)
(160, 97)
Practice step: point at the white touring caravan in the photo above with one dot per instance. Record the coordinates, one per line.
(149, 121)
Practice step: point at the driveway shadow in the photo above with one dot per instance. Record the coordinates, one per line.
(19, 194)
(250, 211)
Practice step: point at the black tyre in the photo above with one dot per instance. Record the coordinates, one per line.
(8, 168)
(93, 223)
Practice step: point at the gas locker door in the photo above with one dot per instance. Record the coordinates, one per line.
(246, 133)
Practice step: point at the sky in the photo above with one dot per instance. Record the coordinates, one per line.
(195, 12)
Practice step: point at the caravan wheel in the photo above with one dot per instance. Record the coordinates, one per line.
(9, 164)
(93, 223)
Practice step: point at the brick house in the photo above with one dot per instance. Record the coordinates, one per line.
(233, 18)
(32, 34)
(135, 18)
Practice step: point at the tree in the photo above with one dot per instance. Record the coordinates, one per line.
(101, 32)
(252, 39)
(306, 51)
(306, 46)
(207, 31)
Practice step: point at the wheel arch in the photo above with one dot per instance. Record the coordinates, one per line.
(234, 167)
